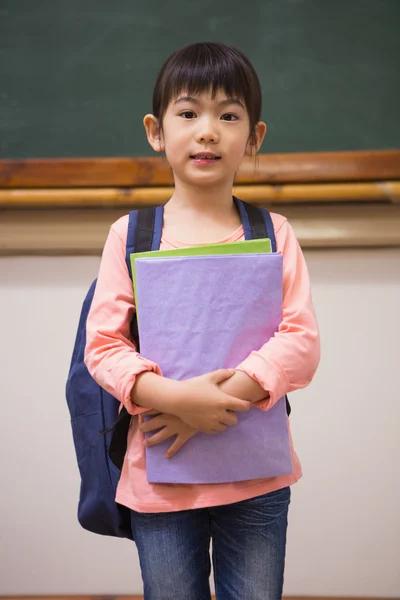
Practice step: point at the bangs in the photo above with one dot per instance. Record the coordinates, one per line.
(207, 67)
(195, 78)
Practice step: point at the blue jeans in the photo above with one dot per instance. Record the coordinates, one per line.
(249, 541)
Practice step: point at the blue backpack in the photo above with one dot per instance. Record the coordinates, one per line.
(99, 427)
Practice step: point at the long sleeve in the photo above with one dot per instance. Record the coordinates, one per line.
(110, 354)
(288, 361)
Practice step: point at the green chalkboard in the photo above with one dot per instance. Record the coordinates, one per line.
(76, 76)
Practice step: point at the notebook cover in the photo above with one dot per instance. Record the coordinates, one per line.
(198, 314)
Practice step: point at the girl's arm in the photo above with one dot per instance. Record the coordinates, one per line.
(110, 353)
(288, 361)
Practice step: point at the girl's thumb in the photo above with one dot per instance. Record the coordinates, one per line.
(222, 374)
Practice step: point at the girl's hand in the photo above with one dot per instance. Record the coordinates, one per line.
(203, 406)
(169, 426)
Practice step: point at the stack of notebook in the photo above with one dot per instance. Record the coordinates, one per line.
(204, 308)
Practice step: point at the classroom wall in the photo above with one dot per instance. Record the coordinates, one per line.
(344, 523)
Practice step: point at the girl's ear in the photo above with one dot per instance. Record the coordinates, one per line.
(153, 132)
(260, 131)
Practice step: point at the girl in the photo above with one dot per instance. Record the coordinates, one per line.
(206, 118)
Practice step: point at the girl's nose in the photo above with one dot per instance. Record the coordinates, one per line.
(207, 132)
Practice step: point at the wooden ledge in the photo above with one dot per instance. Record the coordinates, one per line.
(319, 193)
(313, 167)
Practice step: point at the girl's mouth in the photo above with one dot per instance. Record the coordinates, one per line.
(205, 158)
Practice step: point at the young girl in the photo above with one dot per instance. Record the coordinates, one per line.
(206, 118)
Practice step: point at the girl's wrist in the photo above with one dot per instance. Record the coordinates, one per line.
(171, 396)
(175, 396)
(154, 391)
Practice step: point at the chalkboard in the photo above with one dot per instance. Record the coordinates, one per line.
(76, 76)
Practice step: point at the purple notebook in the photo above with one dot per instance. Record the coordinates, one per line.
(199, 314)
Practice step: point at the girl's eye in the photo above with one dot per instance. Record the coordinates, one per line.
(188, 114)
(229, 117)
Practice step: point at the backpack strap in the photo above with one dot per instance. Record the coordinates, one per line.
(270, 228)
(144, 231)
(257, 222)
(253, 223)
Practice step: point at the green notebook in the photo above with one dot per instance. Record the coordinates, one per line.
(258, 246)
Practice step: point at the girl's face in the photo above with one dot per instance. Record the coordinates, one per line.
(204, 138)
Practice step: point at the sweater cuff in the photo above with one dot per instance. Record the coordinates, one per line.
(144, 365)
(268, 375)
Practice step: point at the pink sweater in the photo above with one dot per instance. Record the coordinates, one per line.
(285, 363)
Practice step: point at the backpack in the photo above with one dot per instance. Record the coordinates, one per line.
(99, 427)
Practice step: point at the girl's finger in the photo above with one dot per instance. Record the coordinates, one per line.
(236, 404)
(154, 423)
(158, 437)
(177, 444)
(221, 374)
(230, 418)
(220, 427)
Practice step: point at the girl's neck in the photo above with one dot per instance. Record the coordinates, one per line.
(200, 215)
(208, 202)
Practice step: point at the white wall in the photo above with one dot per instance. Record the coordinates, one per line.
(344, 521)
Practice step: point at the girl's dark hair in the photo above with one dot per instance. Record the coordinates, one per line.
(197, 68)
